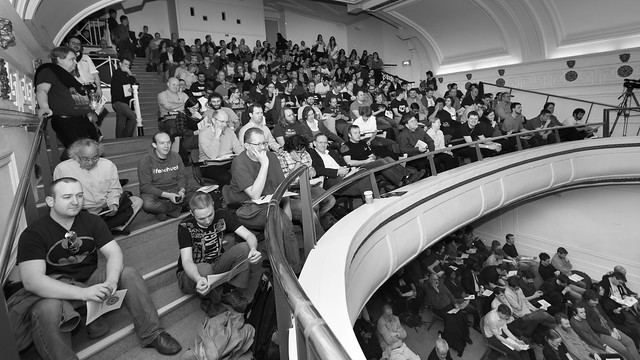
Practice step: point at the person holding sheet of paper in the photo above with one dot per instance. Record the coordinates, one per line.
(413, 140)
(522, 309)
(200, 237)
(560, 262)
(216, 140)
(498, 335)
(619, 305)
(121, 95)
(58, 263)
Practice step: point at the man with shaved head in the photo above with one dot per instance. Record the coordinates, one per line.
(58, 264)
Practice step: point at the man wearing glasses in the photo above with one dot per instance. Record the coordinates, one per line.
(58, 263)
(103, 195)
(217, 142)
(255, 174)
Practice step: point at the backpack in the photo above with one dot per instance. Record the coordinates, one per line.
(261, 314)
(223, 337)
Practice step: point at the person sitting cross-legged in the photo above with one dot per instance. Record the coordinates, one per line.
(103, 193)
(163, 180)
(200, 236)
(59, 267)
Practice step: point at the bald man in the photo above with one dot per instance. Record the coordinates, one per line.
(217, 141)
(172, 99)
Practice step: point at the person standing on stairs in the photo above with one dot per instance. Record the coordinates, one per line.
(58, 263)
(121, 95)
(61, 96)
(163, 180)
(200, 237)
(103, 195)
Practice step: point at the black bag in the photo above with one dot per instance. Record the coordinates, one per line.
(261, 314)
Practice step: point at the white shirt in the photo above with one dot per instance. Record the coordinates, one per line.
(328, 160)
(367, 128)
(101, 184)
(86, 69)
(322, 89)
(438, 138)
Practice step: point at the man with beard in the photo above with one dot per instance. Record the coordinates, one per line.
(215, 104)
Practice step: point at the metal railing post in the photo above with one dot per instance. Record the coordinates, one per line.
(518, 143)
(308, 223)
(432, 165)
(374, 186)
(556, 132)
(478, 152)
(283, 318)
(605, 126)
(136, 106)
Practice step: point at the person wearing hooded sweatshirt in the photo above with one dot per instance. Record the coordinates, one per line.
(163, 181)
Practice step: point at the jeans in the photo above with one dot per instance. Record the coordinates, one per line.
(125, 120)
(70, 129)
(52, 339)
(157, 205)
(224, 263)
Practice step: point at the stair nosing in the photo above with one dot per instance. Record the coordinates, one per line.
(128, 330)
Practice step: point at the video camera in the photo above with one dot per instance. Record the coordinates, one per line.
(631, 84)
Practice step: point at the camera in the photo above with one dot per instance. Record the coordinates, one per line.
(632, 84)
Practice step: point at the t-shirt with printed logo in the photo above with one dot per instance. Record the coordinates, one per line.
(205, 243)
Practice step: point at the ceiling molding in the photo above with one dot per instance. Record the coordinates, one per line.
(431, 45)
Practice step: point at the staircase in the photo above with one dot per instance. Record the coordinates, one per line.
(151, 248)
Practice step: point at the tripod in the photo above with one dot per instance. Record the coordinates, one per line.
(626, 97)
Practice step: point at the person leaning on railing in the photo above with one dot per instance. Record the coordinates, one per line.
(62, 97)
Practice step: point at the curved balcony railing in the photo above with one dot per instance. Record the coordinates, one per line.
(313, 339)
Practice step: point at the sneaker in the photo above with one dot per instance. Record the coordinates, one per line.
(212, 310)
(410, 179)
(97, 328)
(161, 217)
(234, 299)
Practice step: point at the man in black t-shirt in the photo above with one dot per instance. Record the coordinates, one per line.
(358, 153)
(58, 263)
(201, 88)
(200, 237)
(399, 106)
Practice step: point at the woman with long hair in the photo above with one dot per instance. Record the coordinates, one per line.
(320, 47)
(332, 50)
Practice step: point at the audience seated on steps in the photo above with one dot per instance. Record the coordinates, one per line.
(60, 269)
(392, 335)
(200, 238)
(255, 174)
(164, 188)
(170, 103)
(103, 195)
(256, 121)
(217, 104)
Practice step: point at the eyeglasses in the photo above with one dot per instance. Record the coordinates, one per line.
(263, 144)
(89, 159)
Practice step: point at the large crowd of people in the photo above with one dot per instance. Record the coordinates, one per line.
(515, 302)
(248, 117)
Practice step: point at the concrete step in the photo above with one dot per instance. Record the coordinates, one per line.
(126, 145)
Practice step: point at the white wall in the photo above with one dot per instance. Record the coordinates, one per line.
(372, 35)
(304, 28)
(250, 13)
(598, 226)
(154, 14)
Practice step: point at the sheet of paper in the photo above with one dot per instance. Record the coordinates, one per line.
(486, 293)
(97, 309)
(470, 297)
(316, 181)
(464, 256)
(453, 311)
(209, 188)
(126, 89)
(471, 251)
(226, 157)
(509, 261)
(629, 301)
(512, 273)
(266, 198)
(203, 102)
(453, 267)
(421, 144)
(527, 258)
(352, 171)
(219, 279)
(544, 305)
(575, 277)
(104, 211)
